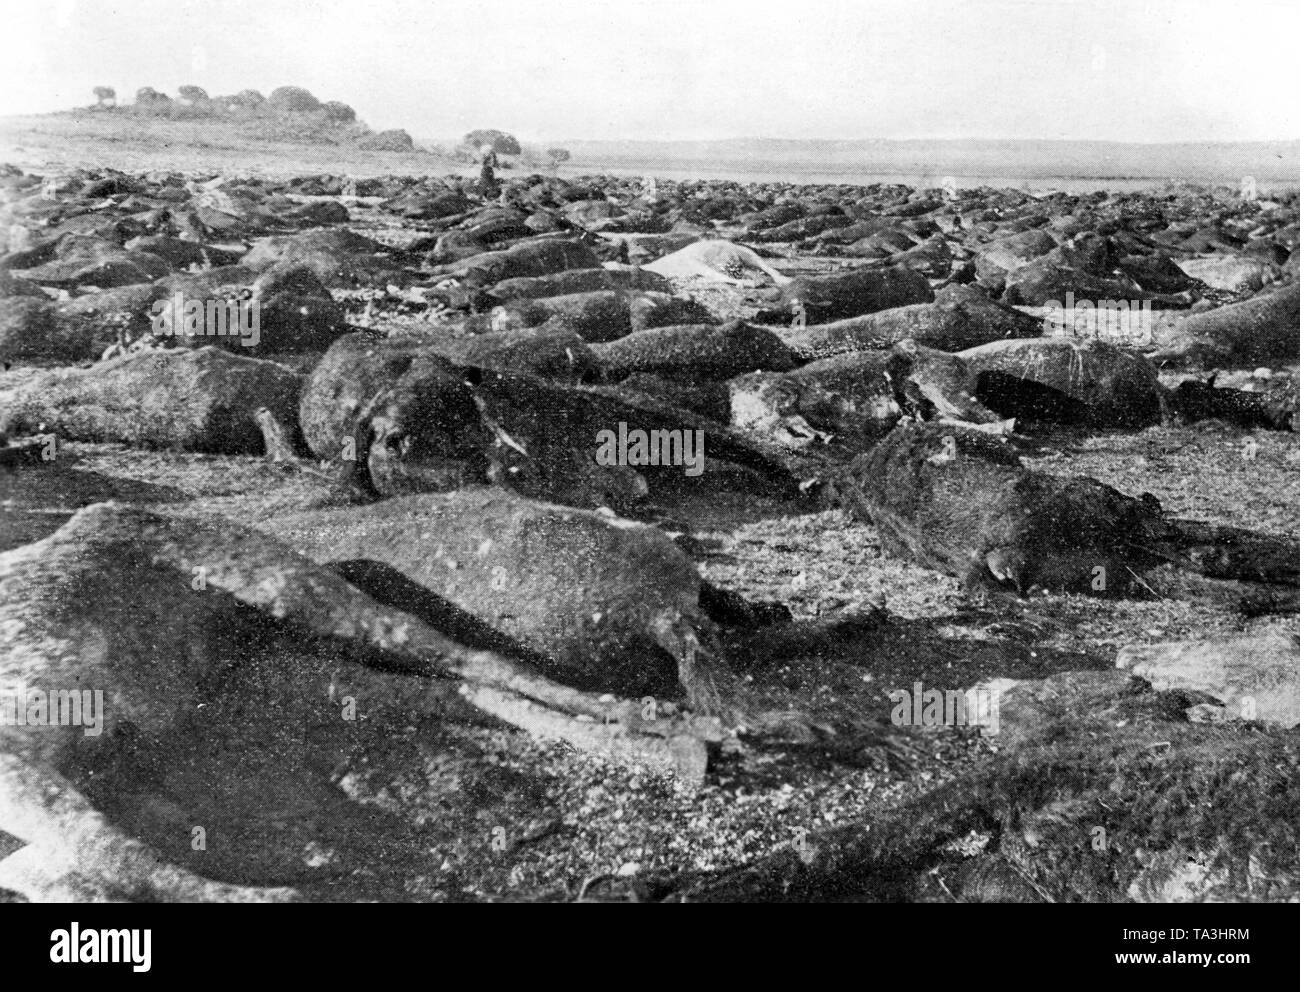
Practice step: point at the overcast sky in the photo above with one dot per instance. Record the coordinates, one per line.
(1168, 70)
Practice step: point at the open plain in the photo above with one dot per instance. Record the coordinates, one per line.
(373, 620)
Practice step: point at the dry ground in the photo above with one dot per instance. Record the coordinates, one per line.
(560, 817)
(566, 817)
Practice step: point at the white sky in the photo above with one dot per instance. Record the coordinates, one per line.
(1128, 70)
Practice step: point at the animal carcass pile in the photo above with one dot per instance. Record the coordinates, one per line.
(721, 542)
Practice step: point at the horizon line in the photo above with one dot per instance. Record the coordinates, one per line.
(1059, 141)
(736, 139)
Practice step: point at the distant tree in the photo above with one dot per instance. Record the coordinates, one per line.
(193, 94)
(293, 100)
(498, 141)
(105, 96)
(558, 155)
(244, 100)
(150, 98)
(339, 113)
(395, 140)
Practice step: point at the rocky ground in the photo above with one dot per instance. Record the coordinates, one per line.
(474, 770)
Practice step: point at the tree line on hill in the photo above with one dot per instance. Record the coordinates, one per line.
(308, 116)
(194, 101)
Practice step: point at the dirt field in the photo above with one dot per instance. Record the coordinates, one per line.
(488, 813)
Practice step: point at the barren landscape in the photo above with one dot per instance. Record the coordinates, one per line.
(374, 619)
